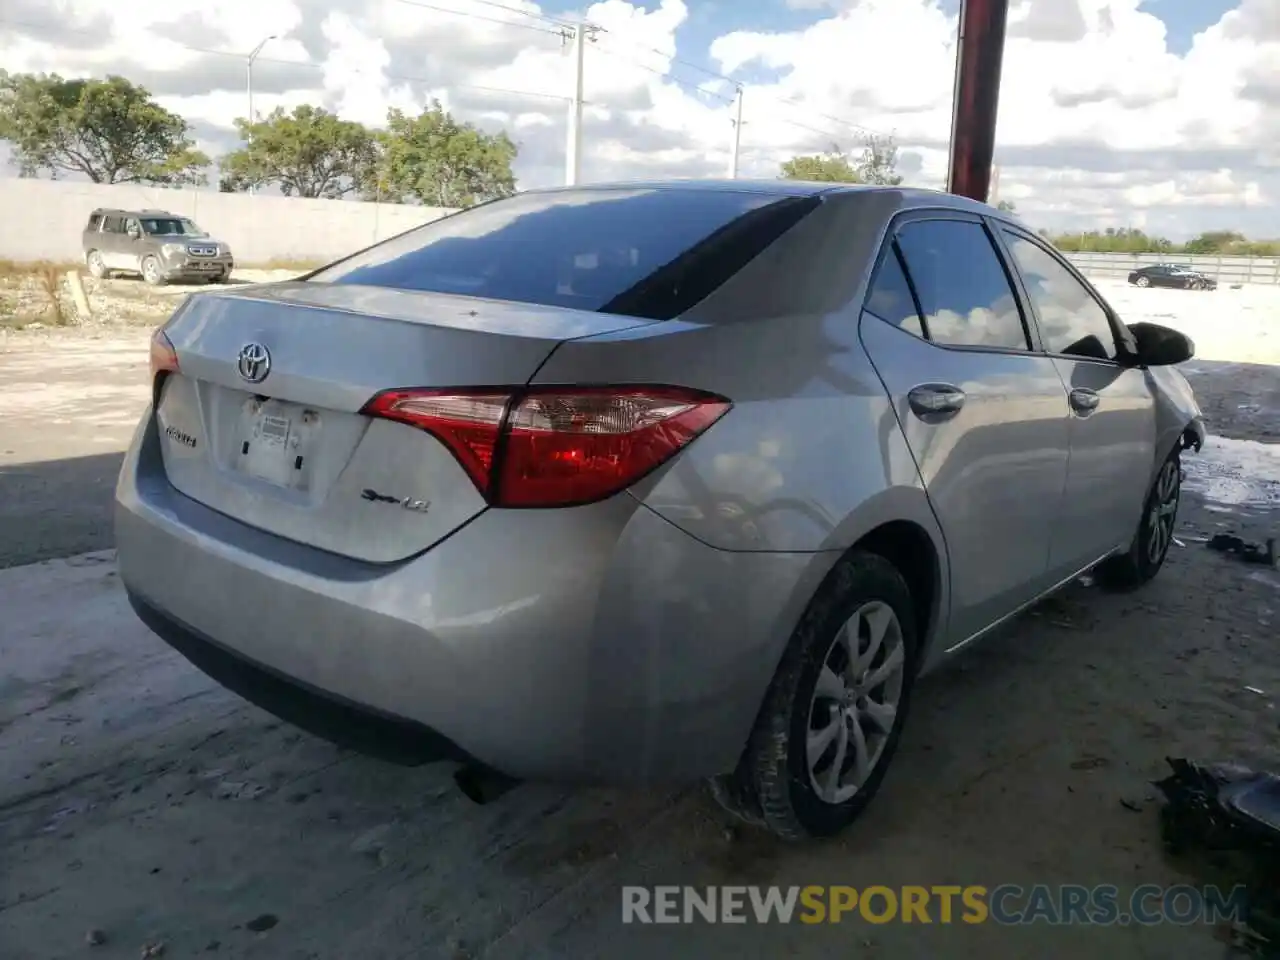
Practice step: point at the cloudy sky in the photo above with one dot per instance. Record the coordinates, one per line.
(1162, 114)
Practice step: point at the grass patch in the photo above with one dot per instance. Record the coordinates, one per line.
(283, 263)
(20, 269)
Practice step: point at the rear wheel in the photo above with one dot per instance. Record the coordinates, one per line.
(97, 266)
(1150, 547)
(1143, 281)
(151, 271)
(834, 712)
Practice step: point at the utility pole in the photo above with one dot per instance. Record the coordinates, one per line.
(253, 55)
(975, 102)
(582, 32)
(737, 133)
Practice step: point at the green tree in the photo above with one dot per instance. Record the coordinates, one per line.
(878, 162)
(111, 131)
(821, 168)
(1215, 242)
(1113, 240)
(307, 153)
(436, 160)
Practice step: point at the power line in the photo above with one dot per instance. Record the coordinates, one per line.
(524, 13)
(237, 55)
(665, 75)
(756, 92)
(479, 16)
(538, 28)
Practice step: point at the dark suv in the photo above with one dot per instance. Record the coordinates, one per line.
(160, 246)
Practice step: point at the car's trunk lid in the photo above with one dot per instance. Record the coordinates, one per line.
(292, 454)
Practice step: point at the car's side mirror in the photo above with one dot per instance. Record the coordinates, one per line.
(133, 232)
(1159, 346)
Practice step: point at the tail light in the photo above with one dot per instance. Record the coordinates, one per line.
(555, 446)
(164, 359)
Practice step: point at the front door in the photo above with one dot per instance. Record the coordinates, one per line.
(1112, 409)
(984, 415)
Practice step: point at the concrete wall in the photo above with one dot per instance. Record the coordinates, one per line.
(1228, 270)
(43, 219)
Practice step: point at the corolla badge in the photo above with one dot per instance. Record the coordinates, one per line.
(254, 362)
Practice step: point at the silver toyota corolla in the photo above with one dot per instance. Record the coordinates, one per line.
(646, 482)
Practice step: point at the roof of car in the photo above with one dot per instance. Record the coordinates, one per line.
(129, 212)
(784, 188)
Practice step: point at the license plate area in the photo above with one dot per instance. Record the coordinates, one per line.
(276, 442)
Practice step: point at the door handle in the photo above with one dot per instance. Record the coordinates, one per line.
(935, 399)
(1084, 402)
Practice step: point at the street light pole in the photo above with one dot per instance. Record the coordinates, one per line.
(253, 55)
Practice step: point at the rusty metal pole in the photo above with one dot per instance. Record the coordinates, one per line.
(979, 55)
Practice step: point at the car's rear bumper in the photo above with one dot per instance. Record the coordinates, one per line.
(597, 644)
(356, 726)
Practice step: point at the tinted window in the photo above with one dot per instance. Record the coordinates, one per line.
(571, 248)
(170, 226)
(963, 289)
(1071, 320)
(113, 225)
(890, 298)
(95, 221)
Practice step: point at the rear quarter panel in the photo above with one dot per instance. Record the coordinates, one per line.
(811, 457)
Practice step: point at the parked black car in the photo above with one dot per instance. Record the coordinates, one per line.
(1172, 275)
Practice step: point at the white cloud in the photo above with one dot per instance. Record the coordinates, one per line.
(1100, 123)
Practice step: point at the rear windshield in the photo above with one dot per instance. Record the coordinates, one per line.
(583, 249)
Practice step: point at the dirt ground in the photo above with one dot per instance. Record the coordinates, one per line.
(140, 805)
(35, 298)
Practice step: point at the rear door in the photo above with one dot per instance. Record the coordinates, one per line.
(1112, 408)
(112, 241)
(984, 414)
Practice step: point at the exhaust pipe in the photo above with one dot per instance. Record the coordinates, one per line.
(481, 785)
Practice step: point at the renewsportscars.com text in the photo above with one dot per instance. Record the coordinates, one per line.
(1007, 904)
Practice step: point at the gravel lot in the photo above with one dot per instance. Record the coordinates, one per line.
(141, 803)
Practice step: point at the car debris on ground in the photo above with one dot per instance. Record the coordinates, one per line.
(1225, 818)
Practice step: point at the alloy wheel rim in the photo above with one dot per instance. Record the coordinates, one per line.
(149, 269)
(855, 702)
(1164, 512)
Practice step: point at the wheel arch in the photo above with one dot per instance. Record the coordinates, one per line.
(899, 525)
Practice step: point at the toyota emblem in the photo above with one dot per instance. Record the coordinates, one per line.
(254, 362)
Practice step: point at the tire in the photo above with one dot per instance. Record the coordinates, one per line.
(1146, 554)
(151, 271)
(775, 784)
(97, 266)
(1142, 282)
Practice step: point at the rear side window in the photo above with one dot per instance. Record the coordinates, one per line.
(95, 221)
(113, 225)
(890, 297)
(964, 292)
(1071, 321)
(644, 251)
